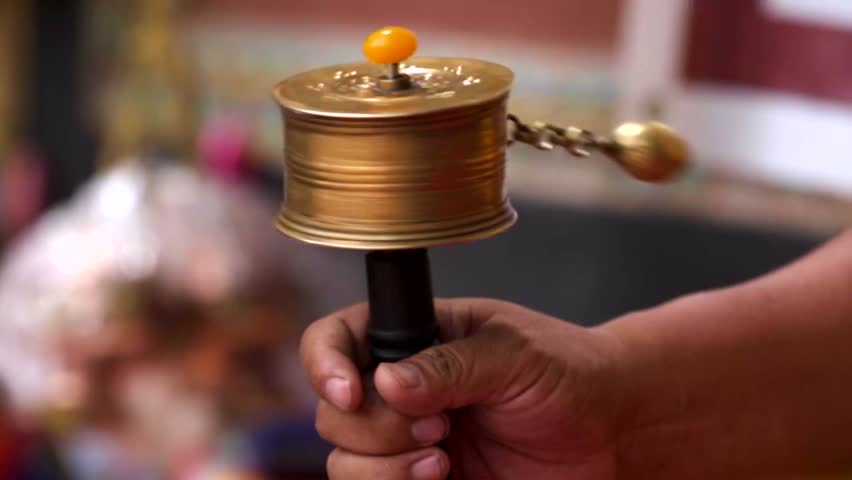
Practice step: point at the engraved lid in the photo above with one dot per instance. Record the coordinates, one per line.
(391, 84)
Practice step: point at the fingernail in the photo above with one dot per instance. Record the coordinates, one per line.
(405, 373)
(338, 392)
(430, 430)
(427, 469)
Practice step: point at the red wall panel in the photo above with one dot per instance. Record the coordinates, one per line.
(573, 23)
(735, 42)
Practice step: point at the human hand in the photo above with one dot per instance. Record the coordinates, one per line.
(515, 393)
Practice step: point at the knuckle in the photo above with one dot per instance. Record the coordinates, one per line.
(310, 330)
(305, 343)
(444, 362)
(498, 304)
(323, 426)
(332, 465)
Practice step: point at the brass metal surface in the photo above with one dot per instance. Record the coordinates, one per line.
(374, 165)
(649, 151)
(407, 181)
(438, 84)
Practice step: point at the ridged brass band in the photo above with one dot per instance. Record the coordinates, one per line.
(391, 183)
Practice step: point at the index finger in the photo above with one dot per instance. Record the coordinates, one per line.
(332, 350)
(461, 317)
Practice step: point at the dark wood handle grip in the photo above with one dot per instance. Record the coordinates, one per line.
(402, 311)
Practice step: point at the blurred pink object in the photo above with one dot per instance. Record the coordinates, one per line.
(160, 311)
(223, 147)
(22, 179)
(168, 225)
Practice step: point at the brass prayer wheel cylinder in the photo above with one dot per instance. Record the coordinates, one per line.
(369, 168)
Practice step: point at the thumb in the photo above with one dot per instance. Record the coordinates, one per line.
(475, 370)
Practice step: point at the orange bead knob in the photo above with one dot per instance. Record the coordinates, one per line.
(390, 45)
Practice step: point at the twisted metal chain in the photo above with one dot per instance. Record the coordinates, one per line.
(545, 136)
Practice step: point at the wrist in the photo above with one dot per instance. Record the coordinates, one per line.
(714, 389)
(667, 425)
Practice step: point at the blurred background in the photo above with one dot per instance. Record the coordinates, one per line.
(148, 310)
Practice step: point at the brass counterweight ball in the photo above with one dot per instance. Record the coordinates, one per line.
(649, 151)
